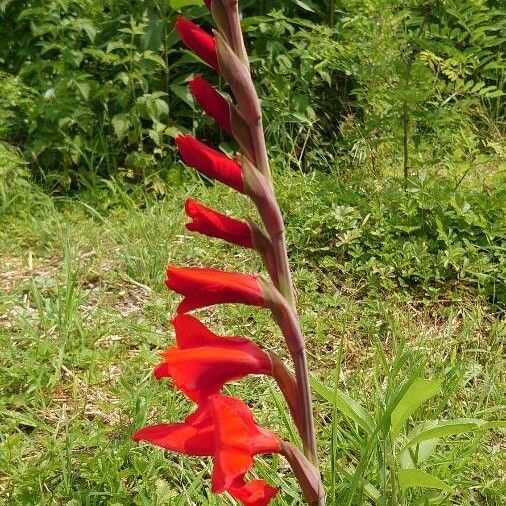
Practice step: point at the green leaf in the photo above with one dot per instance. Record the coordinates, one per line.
(84, 88)
(346, 405)
(149, 55)
(121, 124)
(409, 478)
(420, 391)
(179, 4)
(412, 458)
(443, 428)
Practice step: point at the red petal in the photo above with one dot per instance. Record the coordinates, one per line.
(212, 102)
(195, 436)
(229, 465)
(210, 162)
(206, 287)
(254, 493)
(214, 224)
(199, 41)
(192, 333)
(236, 426)
(238, 439)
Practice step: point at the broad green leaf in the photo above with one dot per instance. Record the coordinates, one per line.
(420, 391)
(121, 124)
(149, 55)
(179, 4)
(346, 405)
(444, 428)
(409, 478)
(85, 88)
(413, 457)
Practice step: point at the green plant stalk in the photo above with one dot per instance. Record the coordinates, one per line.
(332, 13)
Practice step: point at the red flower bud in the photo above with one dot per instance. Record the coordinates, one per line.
(203, 362)
(210, 162)
(199, 41)
(214, 224)
(213, 103)
(206, 287)
(223, 428)
(254, 493)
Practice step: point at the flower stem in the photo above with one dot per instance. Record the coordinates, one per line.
(286, 311)
(290, 327)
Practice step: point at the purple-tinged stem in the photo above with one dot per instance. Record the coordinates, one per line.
(284, 309)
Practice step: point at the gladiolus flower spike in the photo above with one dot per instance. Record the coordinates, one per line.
(202, 363)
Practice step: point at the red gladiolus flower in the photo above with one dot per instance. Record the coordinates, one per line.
(214, 224)
(213, 103)
(203, 362)
(207, 287)
(199, 41)
(254, 493)
(210, 162)
(223, 428)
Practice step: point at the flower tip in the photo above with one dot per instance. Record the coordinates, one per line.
(180, 139)
(180, 24)
(181, 20)
(197, 40)
(137, 436)
(185, 142)
(161, 371)
(196, 80)
(170, 272)
(254, 493)
(189, 206)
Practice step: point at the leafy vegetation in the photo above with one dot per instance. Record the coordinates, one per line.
(431, 238)
(385, 122)
(377, 83)
(84, 314)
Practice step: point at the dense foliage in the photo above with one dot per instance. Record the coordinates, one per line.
(90, 88)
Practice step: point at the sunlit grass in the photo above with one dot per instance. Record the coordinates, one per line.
(84, 313)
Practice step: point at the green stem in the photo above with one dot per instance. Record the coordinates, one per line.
(332, 13)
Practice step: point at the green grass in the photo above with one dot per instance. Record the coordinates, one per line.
(84, 313)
